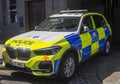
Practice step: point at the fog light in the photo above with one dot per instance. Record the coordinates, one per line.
(45, 66)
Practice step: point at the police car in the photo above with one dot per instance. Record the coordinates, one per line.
(58, 44)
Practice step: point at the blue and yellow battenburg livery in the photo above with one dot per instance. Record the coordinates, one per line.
(44, 53)
(90, 45)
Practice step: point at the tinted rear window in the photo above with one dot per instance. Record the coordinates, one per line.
(99, 21)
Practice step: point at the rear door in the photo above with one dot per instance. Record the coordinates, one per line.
(102, 29)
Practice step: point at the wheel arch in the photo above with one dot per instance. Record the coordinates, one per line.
(74, 50)
(109, 37)
(71, 50)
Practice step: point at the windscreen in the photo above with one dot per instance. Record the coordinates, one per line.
(59, 24)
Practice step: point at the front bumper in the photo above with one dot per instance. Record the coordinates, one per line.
(42, 68)
(35, 65)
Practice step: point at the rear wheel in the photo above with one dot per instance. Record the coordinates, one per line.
(107, 47)
(67, 66)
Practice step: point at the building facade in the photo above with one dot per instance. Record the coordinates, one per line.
(18, 16)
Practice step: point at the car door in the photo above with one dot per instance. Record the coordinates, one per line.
(102, 29)
(86, 32)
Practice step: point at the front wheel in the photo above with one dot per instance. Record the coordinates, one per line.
(67, 66)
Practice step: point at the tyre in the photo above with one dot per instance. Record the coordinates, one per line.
(107, 47)
(67, 66)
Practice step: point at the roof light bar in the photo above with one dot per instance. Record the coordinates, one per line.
(74, 11)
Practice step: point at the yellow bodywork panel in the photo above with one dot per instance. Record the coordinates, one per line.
(95, 48)
(86, 39)
(101, 33)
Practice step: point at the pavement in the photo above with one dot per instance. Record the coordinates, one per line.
(100, 69)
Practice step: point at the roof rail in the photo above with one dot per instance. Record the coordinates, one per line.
(74, 11)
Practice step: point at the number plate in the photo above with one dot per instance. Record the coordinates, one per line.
(18, 64)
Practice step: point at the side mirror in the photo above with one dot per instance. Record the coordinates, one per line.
(35, 27)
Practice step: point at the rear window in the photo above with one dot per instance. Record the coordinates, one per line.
(99, 21)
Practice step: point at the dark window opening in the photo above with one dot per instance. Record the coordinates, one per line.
(12, 11)
(99, 21)
(86, 24)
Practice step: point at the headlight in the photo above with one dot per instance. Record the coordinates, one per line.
(48, 51)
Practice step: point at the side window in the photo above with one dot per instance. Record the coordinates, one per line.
(86, 24)
(99, 21)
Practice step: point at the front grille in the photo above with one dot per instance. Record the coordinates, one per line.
(20, 53)
(11, 52)
(23, 53)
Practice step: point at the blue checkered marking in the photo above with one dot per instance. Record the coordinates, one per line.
(74, 41)
(56, 63)
(107, 32)
(101, 44)
(86, 52)
(94, 35)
